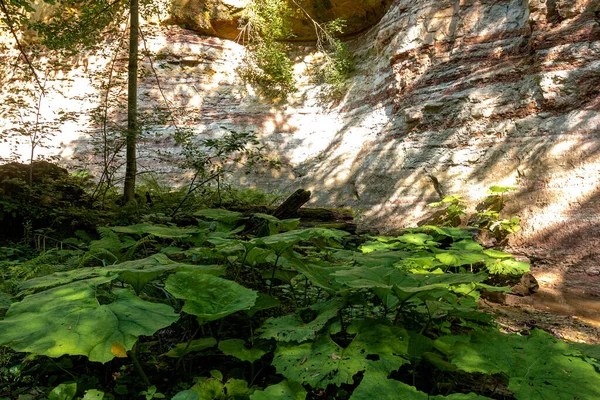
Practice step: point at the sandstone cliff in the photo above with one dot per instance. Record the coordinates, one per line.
(470, 93)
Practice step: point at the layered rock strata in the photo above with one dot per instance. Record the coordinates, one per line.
(448, 97)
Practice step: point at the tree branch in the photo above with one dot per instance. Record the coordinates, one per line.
(9, 23)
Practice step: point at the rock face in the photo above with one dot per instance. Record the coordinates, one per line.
(448, 97)
(221, 17)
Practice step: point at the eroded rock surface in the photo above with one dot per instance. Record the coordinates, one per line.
(222, 17)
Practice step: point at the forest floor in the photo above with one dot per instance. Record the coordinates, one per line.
(567, 303)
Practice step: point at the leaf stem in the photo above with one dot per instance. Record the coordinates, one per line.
(138, 366)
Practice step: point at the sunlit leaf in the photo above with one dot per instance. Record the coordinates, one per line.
(208, 297)
(93, 394)
(69, 320)
(64, 391)
(323, 362)
(186, 395)
(284, 390)
(538, 366)
(293, 328)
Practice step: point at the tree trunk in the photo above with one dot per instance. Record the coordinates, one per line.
(132, 126)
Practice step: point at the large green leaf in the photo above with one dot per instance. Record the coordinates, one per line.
(416, 239)
(237, 348)
(293, 328)
(181, 349)
(461, 257)
(218, 214)
(453, 233)
(161, 231)
(373, 259)
(93, 394)
(208, 297)
(390, 389)
(386, 389)
(186, 395)
(539, 366)
(413, 284)
(284, 390)
(69, 320)
(323, 362)
(136, 272)
(263, 302)
(321, 275)
(62, 278)
(5, 300)
(64, 391)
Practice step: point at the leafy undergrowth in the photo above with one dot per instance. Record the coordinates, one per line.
(211, 311)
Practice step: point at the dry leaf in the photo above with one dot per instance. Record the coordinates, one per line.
(118, 350)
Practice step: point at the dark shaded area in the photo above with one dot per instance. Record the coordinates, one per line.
(54, 201)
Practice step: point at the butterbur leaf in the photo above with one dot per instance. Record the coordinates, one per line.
(216, 214)
(237, 348)
(284, 390)
(386, 389)
(209, 389)
(208, 297)
(390, 389)
(186, 395)
(64, 391)
(69, 320)
(293, 328)
(237, 389)
(161, 231)
(62, 278)
(416, 239)
(538, 366)
(263, 302)
(5, 300)
(588, 350)
(93, 394)
(375, 347)
(182, 349)
(467, 245)
(454, 233)
(496, 254)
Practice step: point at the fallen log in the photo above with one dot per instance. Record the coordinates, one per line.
(291, 205)
(332, 218)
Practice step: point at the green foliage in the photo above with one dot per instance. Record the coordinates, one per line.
(226, 314)
(323, 361)
(237, 348)
(64, 391)
(267, 26)
(487, 218)
(284, 390)
(453, 211)
(537, 366)
(70, 320)
(488, 214)
(208, 297)
(52, 198)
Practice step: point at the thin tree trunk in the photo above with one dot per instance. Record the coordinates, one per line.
(132, 126)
